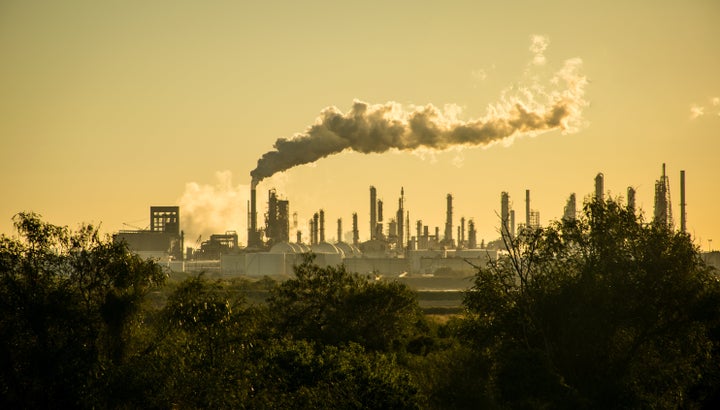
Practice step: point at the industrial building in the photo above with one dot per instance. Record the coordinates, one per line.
(163, 240)
(391, 249)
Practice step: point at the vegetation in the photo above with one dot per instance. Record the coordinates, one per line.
(601, 312)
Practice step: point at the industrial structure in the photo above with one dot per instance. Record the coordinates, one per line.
(570, 210)
(392, 248)
(663, 208)
(164, 240)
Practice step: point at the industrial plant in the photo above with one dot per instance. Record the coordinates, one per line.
(392, 249)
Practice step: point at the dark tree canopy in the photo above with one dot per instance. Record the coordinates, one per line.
(68, 301)
(603, 312)
(332, 306)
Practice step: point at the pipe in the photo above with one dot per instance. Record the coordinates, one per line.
(683, 217)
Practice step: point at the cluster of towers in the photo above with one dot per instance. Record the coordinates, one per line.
(395, 234)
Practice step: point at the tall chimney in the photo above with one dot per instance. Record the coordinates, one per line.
(504, 213)
(570, 210)
(400, 217)
(322, 226)
(461, 237)
(407, 226)
(600, 187)
(356, 234)
(631, 199)
(512, 223)
(339, 233)
(379, 211)
(448, 220)
(373, 210)
(683, 216)
(472, 235)
(253, 234)
(316, 222)
(527, 208)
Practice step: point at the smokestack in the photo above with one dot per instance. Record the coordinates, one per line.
(600, 187)
(418, 234)
(315, 224)
(472, 235)
(504, 213)
(322, 226)
(400, 217)
(379, 211)
(462, 231)
(512, 223)
(407, 226)
(373, 210)
(631, 199)
(570, 210)
(253, 234)
(527, 208)
(339, 233)
(356, 234)
(448, 220)
(683, 216)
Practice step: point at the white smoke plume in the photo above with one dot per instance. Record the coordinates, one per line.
(698, 110)
(208, 209)
(537, 47)
(377, 128)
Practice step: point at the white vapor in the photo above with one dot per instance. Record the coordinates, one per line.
(697, 110)
(207, 209)
(377, 128)
(538, 46)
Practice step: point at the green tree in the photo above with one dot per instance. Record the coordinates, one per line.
(301, 374)
(332, 306)
(68, 303)
(601, 312)
(197, 353)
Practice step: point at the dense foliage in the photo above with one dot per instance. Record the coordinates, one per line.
(599, 312)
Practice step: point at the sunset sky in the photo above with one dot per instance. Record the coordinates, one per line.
(109, 107)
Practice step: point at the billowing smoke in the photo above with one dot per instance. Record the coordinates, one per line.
(208, 209)
(376, 128)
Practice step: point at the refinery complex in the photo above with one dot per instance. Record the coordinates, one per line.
(396, 246)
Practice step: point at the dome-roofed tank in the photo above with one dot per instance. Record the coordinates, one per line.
(349, 250)
(285, 247)
(302, 248)
(324, 247)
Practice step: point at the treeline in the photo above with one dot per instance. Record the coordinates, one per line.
(601, 312)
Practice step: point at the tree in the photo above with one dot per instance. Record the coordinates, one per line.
(68, 302)
(197, 353)
(604, 311)
(302, 374)
(332, 306)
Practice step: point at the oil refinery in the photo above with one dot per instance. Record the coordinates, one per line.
(392, 248)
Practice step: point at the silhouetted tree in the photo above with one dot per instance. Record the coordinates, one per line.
(601, 312)
(68, 302)
(332, 306)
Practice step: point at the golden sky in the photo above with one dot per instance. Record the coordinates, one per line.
(109, 107)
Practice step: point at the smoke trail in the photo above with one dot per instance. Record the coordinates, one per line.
(208, 209)
(376, 128)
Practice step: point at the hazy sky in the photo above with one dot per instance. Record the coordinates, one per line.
(109, 107)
